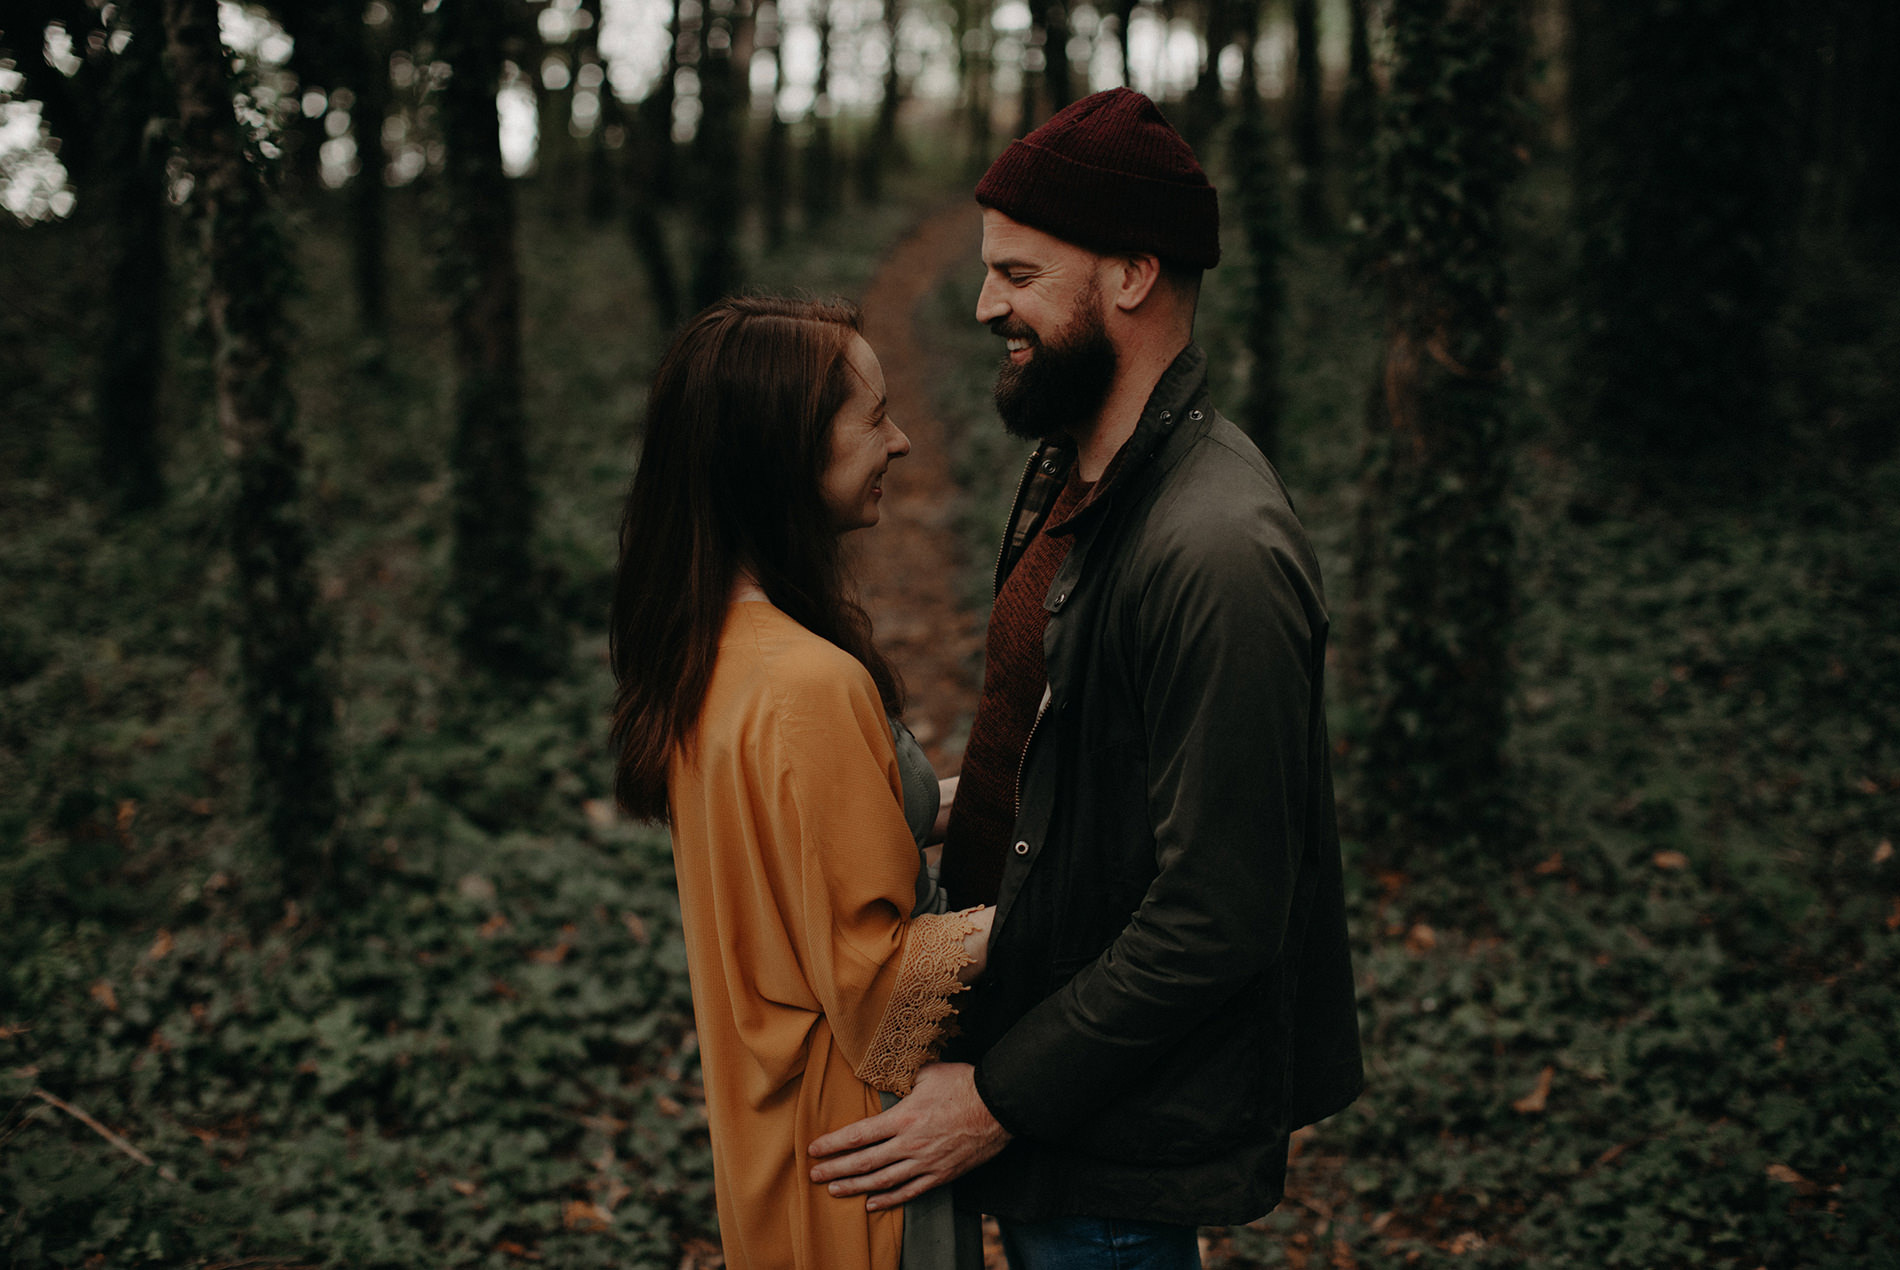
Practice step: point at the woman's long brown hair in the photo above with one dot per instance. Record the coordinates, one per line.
(738, 435)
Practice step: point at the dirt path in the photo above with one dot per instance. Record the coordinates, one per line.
(909, 567)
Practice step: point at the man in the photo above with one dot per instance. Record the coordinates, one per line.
(1146, 794)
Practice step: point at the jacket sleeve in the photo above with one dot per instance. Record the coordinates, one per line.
(1228, 630)
(882, 979)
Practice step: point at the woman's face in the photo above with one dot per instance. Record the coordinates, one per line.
(864, 440)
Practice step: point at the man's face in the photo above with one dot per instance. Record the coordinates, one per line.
(1043, 297)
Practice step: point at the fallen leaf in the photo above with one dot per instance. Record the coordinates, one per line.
(585, 1215)
(556, 955)
(514, 1249)
(1555, 864)
(1533, 1102)
(1893, 918)
(462, 1186)
(10, 1030)
(1465, 1241)
(636, 926)
(501, 989)
(601, 814)
(1383, 1220)
(492, 927)
(102, 992)
(667, 1106)
(1788, 1177)
(1672, 860)
(1421, 938)
(1883, 852)
(161, 947)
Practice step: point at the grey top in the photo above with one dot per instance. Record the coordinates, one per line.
(921, 801)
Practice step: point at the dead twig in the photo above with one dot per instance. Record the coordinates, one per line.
(60, 1104)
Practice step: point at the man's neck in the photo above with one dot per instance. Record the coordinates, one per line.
(1114, 423)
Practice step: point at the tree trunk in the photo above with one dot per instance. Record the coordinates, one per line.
(1357, 107)
(287, 698)
(883, 154)
(1309, 148)
(973, 46)
(1124, 11)
(821, 161)
(369, 193)
(502, 622)
(133, 355)
(1440, 534)
(1257, 175)
(716, 267)
(1204, 100)
(1685, 180)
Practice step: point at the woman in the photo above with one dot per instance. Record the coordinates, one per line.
(753, 714)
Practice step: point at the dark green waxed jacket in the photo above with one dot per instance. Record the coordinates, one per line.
(1170, 989)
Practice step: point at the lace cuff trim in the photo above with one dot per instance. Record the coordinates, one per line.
(913, 1024)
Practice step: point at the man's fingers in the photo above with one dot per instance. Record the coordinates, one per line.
(887, 1178)
(858, 1163)
(860, 1133)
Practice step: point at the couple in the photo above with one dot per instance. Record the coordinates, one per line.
(1147, 956)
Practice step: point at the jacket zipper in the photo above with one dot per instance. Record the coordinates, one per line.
(1022, 762)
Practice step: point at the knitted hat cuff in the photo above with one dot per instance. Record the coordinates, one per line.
(1173, 214)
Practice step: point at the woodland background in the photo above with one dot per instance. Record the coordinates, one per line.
(1574, 326)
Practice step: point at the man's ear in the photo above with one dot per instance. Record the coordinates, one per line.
(1131, 279)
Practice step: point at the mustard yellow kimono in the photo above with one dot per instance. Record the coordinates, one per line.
(812, 986)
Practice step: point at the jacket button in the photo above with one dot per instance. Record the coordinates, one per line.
(1049, 467)
(1022, 848)
(1167, 416)
(1062, 597)
(1194, 415)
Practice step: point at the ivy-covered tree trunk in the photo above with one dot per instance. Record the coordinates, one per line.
(1257, 175)
(1440, 535)
(502, 621)
(134, 163)
(1684, 184)
(1309, 146)
(288, 703)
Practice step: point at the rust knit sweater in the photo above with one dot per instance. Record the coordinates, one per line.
(1014, 676)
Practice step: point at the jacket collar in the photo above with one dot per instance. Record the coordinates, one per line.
(1176, 411)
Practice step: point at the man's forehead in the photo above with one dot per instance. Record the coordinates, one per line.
(1009, 241)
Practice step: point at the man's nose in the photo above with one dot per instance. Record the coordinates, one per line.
(900, 443)
(990, 303)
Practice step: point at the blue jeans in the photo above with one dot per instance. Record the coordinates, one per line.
(1099, 1243)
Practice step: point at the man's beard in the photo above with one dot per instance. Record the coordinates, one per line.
(1064, 382)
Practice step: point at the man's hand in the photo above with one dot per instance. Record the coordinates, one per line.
(939, 1133)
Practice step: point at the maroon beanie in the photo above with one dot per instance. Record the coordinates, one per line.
(1109, 173)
